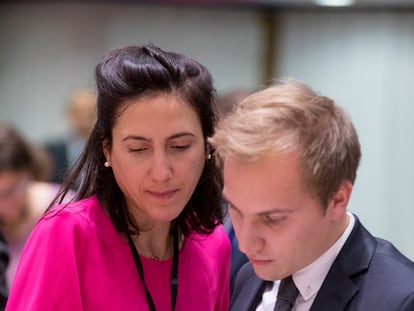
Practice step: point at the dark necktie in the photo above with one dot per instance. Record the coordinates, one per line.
(286, 295)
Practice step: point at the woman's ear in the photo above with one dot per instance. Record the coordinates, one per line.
(209, 151)
(106, 149)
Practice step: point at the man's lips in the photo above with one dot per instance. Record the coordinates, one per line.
(259, 261)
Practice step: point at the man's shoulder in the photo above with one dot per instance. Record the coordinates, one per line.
(378, 274)
(387, 255)
(363, 251)
(388, 283)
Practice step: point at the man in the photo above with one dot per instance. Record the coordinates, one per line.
(290, 159)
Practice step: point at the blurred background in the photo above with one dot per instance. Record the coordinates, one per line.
(360, 55)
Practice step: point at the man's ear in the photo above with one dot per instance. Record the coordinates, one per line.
(339, 201)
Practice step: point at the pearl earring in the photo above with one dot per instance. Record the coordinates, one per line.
(107, 164)
(209, 156)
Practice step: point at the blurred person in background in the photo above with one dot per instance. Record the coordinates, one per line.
(81, 115)
(144, 230)
(25, 193)
(227, 100)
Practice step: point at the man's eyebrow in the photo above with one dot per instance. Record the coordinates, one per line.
(138, 137)
(275, 211)
(263, 213)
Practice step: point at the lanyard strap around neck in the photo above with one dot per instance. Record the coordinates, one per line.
(173, 277)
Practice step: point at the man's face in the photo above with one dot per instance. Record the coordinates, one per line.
(280, 226)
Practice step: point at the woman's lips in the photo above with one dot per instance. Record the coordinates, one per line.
(163, 194)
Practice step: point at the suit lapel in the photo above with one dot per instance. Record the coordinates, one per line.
(339, 286)
(335, 293)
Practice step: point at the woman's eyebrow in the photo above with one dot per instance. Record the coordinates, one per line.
(135, 137)
(181, 134)
(139, 137)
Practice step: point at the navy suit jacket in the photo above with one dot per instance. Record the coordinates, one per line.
(238, 259)
(369, 274)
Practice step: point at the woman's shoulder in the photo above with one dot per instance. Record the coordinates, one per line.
(81, 213)
(207, 252)
(79, 207)
(216, 240)
(75, 226)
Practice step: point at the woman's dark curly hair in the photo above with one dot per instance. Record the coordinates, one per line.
(133, 72)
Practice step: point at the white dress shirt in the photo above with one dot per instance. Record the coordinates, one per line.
(308, 280)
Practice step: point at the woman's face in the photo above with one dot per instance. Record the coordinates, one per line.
(157, 156)
(13, 195)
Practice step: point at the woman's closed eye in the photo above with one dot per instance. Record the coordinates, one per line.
(137, 150)
(173, 147)
(181, 147)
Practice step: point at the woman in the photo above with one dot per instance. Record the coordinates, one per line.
(144, 232)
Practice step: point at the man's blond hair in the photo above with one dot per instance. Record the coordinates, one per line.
(289, 116)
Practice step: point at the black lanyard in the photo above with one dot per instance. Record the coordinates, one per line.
(173, 279)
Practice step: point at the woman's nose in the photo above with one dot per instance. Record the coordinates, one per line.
(161, 167)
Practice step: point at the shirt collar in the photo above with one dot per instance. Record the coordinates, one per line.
(309, 280)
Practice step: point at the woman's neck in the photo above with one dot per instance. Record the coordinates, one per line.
(155, 243)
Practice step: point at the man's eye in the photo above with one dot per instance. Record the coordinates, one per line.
(274, 220)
